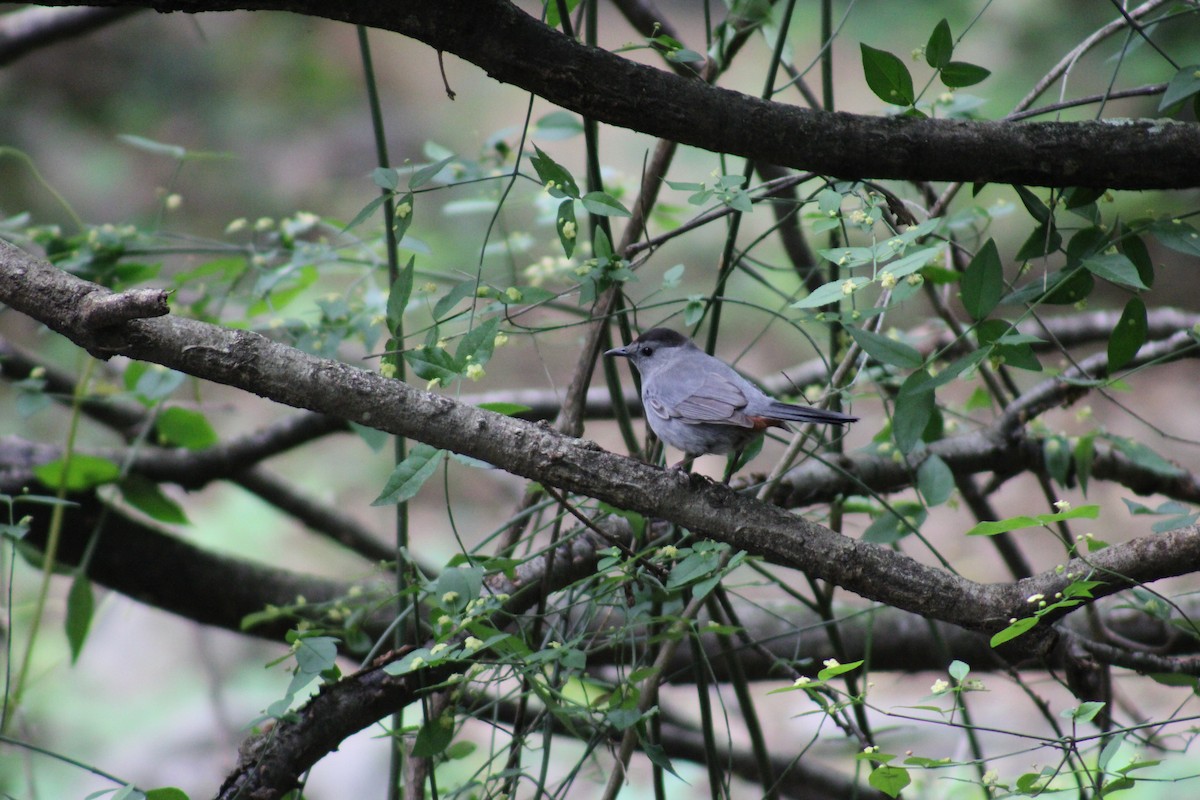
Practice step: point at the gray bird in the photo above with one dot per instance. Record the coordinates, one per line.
(699, 404)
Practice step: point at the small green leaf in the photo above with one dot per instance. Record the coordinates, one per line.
(830, 293)
(1135, 250)
(1129, 335)
(431, 363)
(1043, 240)
(428, 172)
(146, 496)
(1013, 631)
(385, 178)
(315, 654)
(184, 427)
(166, 793)
(935, 480)
(434, 737)
(507, 409)
(1084, 712)
(886, 350)
(453, 297)
(80, 608)
(479, 343)
(84, 472)
(983, 282)
(554, 175)
(604, 205)
(399, 295)
(567, 226)
(940, 46)
(912, 413)
(1115, 268)
(958, 74)
(458, 586)
(1144, 457)
(838, 669)
(1177, 235)
(150, 146)
(367, 210)
(403, 216)
(410, 475)
(959, 670)
(1033, 204)
(889, 780)
(887, 76)
(1183, 85)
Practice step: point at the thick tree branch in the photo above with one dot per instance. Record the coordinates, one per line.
(516, 48)
(256, 364)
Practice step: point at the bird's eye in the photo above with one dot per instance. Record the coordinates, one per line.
(647, 351)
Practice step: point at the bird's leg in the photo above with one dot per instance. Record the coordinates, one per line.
(732, 462)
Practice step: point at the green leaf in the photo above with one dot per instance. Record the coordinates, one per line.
(1144, 457)
(889, 780)
(1115, 268)
(1184, 84)
(458, 586)
(935, 480)
(367, 210)
(403, 216)
(150, 382)
(146, 496)
(958, 74)
(479, 343)
(983, 282)
(1177, 235)
(887, 76)
(959, 670)
(315, 654)
(830, 293)
(567, 226)
(1085, 450)
(184, 427)
(1013, 631)
(838, 669)
(507, 409)
(604, 205)
(554, 175)
(912, 413)
(84, 472)
(431, 363)
(1129, 335)
(166, 793)
(410, 475)
(80, 608)
(1135, 250)
(1023, 521)
(940, 46)
(450, 299)
(399, 295)
(886, 350)
(434, 737)
(428, 172)
(1043, 240)
(1084, 712)
(892, 526)
(1033, 204)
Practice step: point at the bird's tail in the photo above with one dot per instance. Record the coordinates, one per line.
(809, 414)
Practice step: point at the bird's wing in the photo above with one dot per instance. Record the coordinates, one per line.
(700, 397)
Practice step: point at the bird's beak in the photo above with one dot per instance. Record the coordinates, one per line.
(619, 351)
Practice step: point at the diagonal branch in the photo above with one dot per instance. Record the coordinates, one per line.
(254, 363)
(514, 47)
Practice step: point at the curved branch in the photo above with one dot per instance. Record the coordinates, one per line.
(516, 48)
(26, 30)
